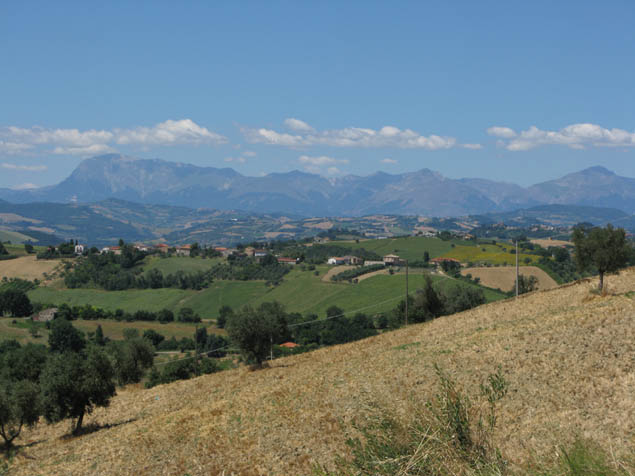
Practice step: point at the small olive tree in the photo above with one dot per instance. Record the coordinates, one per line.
(19, 407)
(73, 384)
(606, 249)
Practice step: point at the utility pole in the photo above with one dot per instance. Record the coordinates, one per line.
(406, 292)
(516, 267)
(271, 343)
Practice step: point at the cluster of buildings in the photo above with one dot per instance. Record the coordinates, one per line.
(388, 260)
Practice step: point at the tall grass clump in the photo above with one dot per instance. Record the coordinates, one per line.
(449, 435)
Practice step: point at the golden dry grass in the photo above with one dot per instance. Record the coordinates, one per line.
(27, 267)
(335, 270)
(547, 242)
(504, 277)
(567, 354)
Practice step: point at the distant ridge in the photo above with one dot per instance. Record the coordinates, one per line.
(423, 192)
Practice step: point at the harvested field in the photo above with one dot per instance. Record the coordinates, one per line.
(504, 277)
(371, 274)
(566, 353)
(27, 267)
(546, 243)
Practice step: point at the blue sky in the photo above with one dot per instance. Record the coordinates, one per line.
(514, 91)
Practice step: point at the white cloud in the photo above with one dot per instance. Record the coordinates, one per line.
(504, 132)
(25, 186)
(387, 136)
(322, 160)
(93, 149)
(575, 136)
(12, 148)
(297, 125)
(388, 161)
(169, 132)
(322, 165)
(240, 160)
(26, 168)
(472, 146)
(249, 153)
(17, 140)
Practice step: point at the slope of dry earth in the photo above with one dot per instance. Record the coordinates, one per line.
(569, 357)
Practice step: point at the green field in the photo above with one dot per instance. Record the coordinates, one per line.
(112, 329)
(493, 254)
(14, 237)
(178, 263)
(410, 247)
(301, 291)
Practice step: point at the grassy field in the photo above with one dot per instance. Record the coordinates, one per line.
(301, 291)
(566, 354)
(491, 254)
(410, 247)
(179, 263)
(112, 329)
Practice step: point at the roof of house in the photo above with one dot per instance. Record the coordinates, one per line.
(220, 248)
(289, 345)
(285, 259)
(162, 245)
(184, 247)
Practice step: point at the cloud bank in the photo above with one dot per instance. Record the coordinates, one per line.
(575, 136)
(303, 135)
(17, 140)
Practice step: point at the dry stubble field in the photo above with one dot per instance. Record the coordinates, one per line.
(504, 277)
(568, 355)
(27, 267)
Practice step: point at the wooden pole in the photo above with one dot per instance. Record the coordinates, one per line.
(517, 273)
(406, 292)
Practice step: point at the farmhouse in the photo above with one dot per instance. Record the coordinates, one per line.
(112, 249)
(392, 260)
(336, 260)
(141, 247)
(162, 247)
(355, 260)
(45, 315)
(183, 250)
(260, 253)
(438, 261)
(79, 249)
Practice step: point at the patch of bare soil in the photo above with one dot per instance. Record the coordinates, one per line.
(504, 277)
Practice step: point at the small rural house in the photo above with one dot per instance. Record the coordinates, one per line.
(260, 253)
(183, 250)
(392, 260)
(45, 315)
(141, 247)
(162, 247)
(437, 261)
(79, 249)
(112, 249)
(354, 260)
(336, 260)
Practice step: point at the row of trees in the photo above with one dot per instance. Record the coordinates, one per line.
(88, 312)
(67, 380)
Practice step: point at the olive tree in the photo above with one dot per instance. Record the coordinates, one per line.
(606, 249)
(19, 407)
(73, 384)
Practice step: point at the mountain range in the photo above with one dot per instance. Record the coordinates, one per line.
(424, 192)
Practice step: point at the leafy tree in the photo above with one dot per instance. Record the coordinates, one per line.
(74, 384)
(153, 336)
(165, 315)
(22, 362)
(99, 336)
(19, 406)
(526, 284)
(65, 338)
(426, 257)
(461, 298)
(131, 358)
(224, 314)
(186, 314)
(254, 331)
(28, 248)
(15, 302)
(3, 250)
(606, 249)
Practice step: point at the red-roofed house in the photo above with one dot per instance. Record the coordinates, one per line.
(290, 345)
(162, 247)
(183, 250)
(291, 261)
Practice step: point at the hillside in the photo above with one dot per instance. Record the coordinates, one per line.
(566, 353)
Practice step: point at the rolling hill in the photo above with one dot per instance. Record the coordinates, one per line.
(567, 355)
